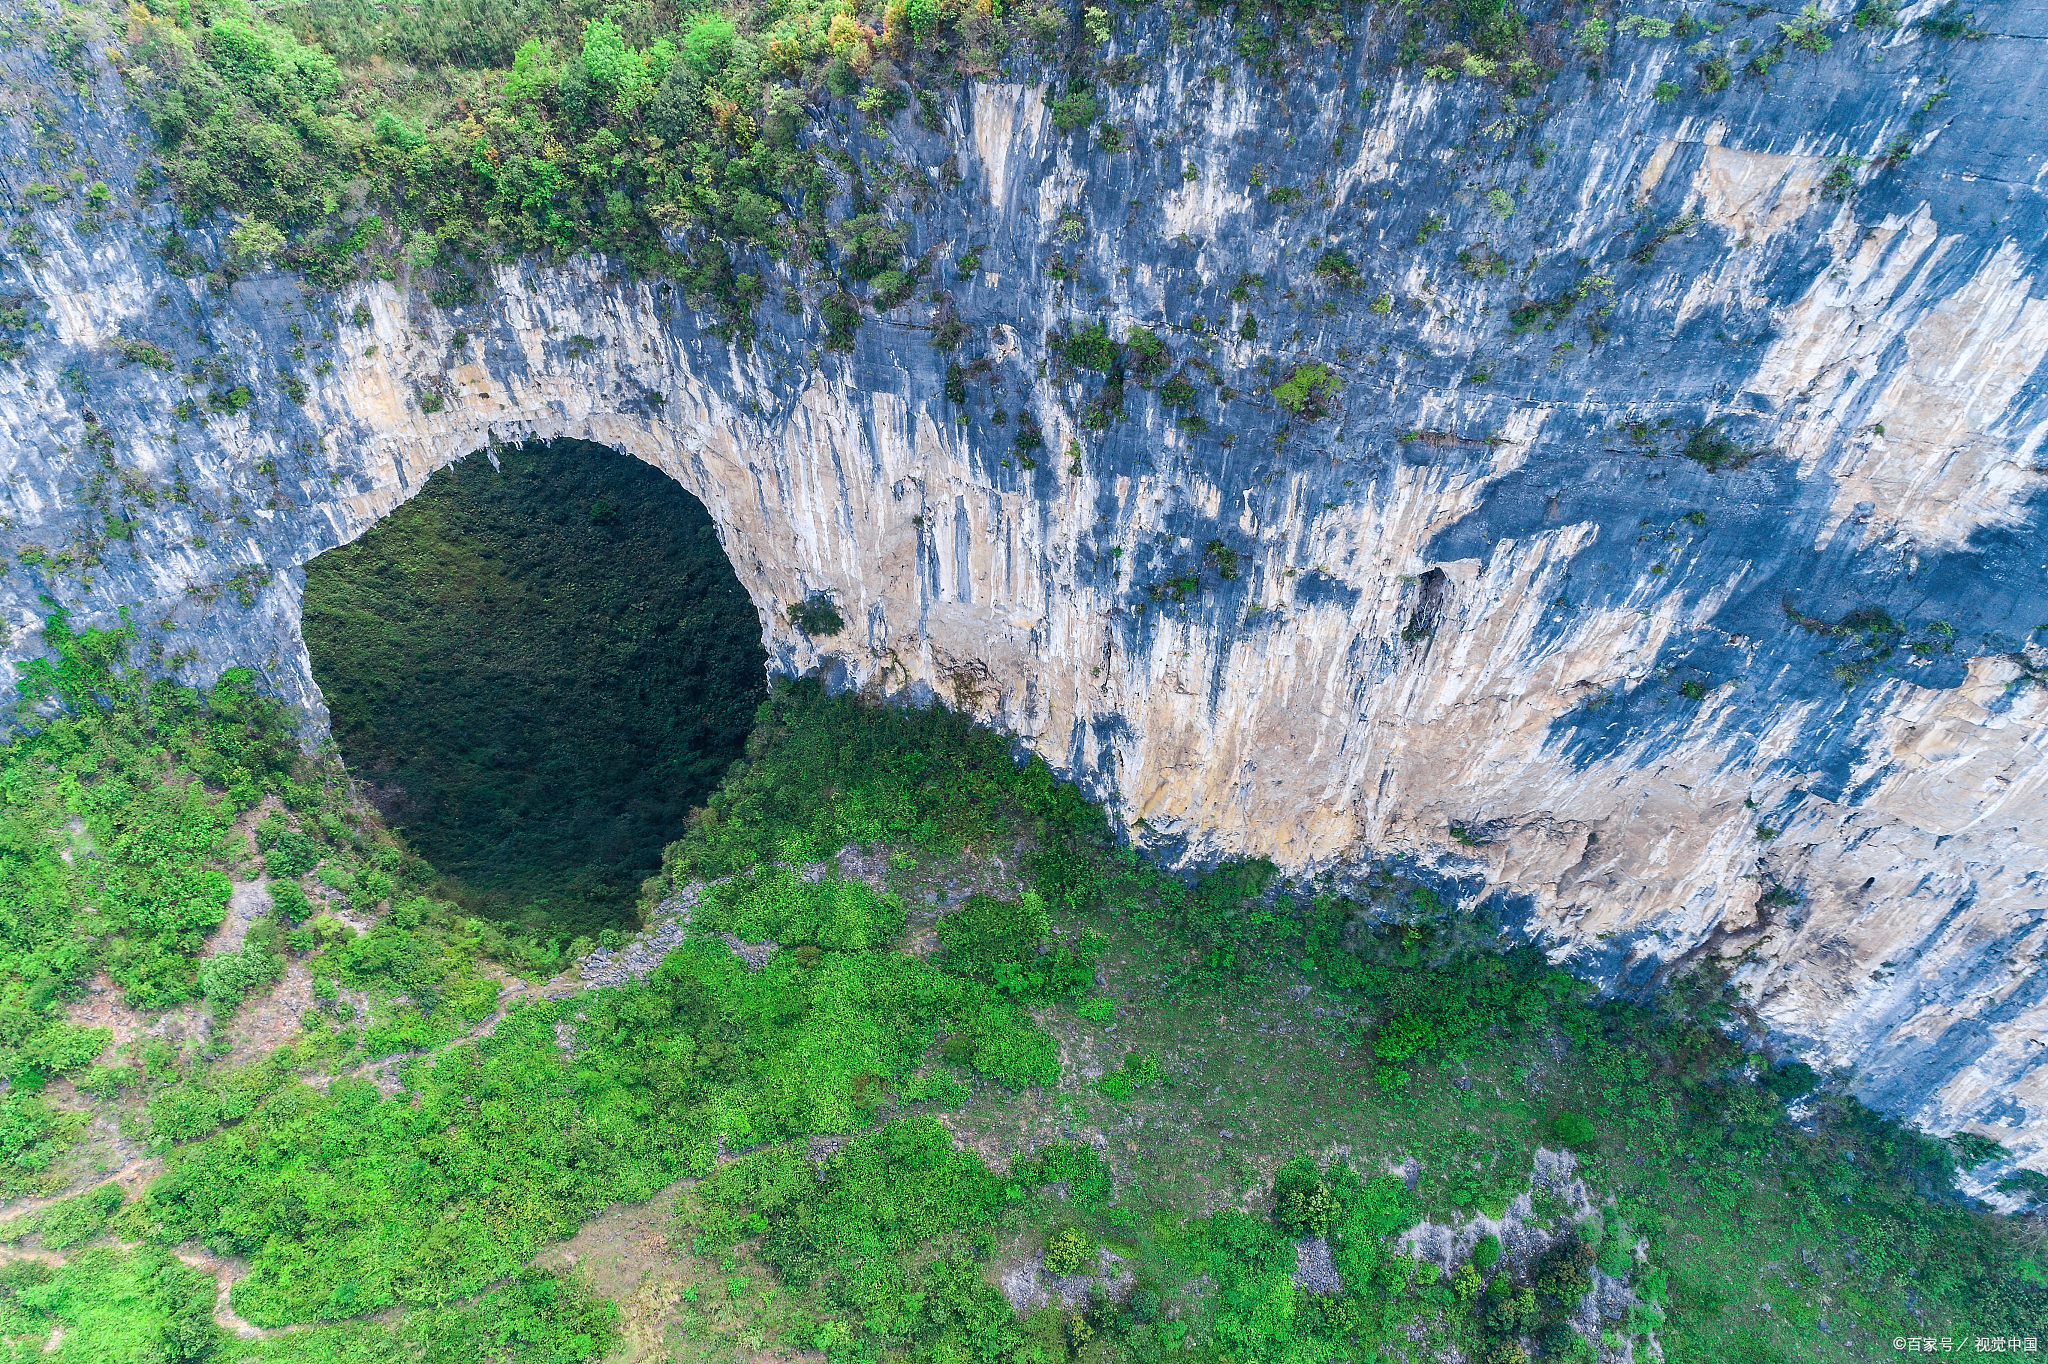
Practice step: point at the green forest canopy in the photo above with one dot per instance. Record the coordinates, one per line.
(539, 665)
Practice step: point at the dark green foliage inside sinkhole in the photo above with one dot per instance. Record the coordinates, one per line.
(537, 670)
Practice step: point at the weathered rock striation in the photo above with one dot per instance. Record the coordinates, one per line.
(1779, 701)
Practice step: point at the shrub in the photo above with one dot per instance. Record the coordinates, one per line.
(81, 1218)
(1791, 1080)
(1076, 109)
(1303, 1203)
(1404, 1036)
(1952, 23)
(1065, 1252)
(1337, 267)
(104, 1082)
(1839, 183)
(231, 401)
(890, 288)
(143, 353)
(289, 901)
(1510, 1308)
(1090, 348)
(1308, 390)
(841, 312)
(255, 242)
(775, 904)
(226, 978)
(985, 933)
(1713, 447)
(1146, 354)
(1486, 1252)
(1561, 1272)
(1808, 30)
(1572, 1129)
(1615, 1258)
(816, 616)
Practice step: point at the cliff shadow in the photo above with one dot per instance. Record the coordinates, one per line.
(537, 666)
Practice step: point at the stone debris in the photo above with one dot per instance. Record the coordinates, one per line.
(871, 867)
(1521, 1238)
(1313, 1269)
(754, 954)
(1029, 1287)
(637, 959)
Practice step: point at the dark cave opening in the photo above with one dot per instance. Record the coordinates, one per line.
(537, 670)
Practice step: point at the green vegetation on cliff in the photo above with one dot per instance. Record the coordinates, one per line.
(447, 136)
(988, 1088)
(540, 664)
(349, 138)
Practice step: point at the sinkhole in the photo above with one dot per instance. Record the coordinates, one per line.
(536, 669)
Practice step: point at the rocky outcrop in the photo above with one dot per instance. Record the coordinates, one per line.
(1690, 612)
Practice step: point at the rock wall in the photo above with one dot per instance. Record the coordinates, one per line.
(1778, 702)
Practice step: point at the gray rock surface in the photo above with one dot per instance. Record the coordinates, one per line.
(637, 957)
(1483, 618)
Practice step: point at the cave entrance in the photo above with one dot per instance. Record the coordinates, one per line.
(536, 668)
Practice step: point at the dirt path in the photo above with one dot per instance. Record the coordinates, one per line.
(266, 1022)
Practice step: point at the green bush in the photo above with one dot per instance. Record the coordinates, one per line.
(657, 1080)
(1338, 267)
(1308, 391)
(1075, 110)
(1303, 1204)
(1066, 1252)
(1791, 1080)
(1090, 348)
(816, 616)
(776, 904)
(835, 771)
(289, 901)
(1573, 1129)
(1145, 354)
(1178, 391)
(1486, 1252)
(1561, 1272)
(985, 934)
(154, 775)
(1952, 23)
(71, 1220)
(1615, 1257)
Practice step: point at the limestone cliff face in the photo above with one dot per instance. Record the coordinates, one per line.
(1482, 616)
